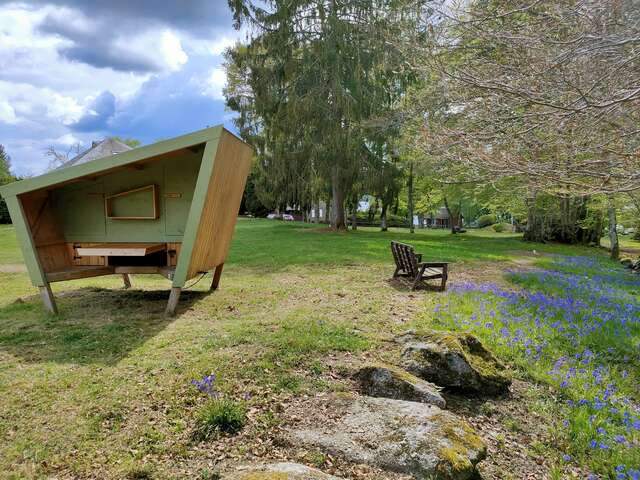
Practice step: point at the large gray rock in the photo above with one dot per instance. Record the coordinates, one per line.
(277, 471)
(405, 437)
(454, 360)
(392, 382)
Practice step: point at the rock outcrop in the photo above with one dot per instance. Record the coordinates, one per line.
(454, 360)
(405, 437)
(277, 471)
(387, 381)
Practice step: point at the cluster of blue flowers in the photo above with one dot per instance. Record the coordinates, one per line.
(578, 322)
(207, 386)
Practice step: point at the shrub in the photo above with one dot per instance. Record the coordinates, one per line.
(499, 227)
(220, 415)
(486, 220)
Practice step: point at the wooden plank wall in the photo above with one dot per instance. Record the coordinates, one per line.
(218, 220)
(47, 237)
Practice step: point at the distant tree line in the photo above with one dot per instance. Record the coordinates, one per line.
(5, 177)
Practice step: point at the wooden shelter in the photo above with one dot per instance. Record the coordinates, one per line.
(168, 208)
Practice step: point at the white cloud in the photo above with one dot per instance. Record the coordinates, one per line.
(214, 83)
(51, 73)
(171, 48)
(220, 45)
(7, 113)
(34, 103)
(68, 140)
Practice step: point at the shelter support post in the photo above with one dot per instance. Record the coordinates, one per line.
(126, 280)
(48, 300)
(216, 277)
(174, 296)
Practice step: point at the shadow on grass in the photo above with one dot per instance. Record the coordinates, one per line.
(95, 325)
(404, 285)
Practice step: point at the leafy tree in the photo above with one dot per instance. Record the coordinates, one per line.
(132, 142)
(5, 177)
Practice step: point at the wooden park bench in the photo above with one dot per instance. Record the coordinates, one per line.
(409, 265)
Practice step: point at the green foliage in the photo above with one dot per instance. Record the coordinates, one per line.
(5, 177)
(566, 219)
(253, 199)
(132, 142)
(499, 227)
(219, 415)
(486, 220)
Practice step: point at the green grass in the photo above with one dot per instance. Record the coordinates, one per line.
(263, 243)
(104, 389)
(10, 251)
(219, 416)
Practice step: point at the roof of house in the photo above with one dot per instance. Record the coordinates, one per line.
(91, 167)
(442, 213)
(105, 148)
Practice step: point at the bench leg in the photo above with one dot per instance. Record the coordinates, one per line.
(48, 300)
(126, 280)
(216, 277)
(395, 273)
(174, 296)
(445, 275)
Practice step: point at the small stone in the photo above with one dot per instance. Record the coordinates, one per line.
(277, 471)
(398, 436)
(455, 360)
(392, 382)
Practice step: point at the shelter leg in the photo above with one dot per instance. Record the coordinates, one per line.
(174, 296)
(216, 277)
(126, 280)
(48, 300)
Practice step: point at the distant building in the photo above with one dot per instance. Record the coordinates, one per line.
(99, 149)
(440, 219)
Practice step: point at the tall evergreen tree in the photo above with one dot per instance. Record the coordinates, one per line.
(313, 75)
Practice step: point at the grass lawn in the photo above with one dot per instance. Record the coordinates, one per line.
(104, 390)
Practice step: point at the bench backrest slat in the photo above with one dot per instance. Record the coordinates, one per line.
(405, 258)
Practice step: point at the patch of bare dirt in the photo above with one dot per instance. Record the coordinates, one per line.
(13, 268)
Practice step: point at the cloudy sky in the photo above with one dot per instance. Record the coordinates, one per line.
(72, 71)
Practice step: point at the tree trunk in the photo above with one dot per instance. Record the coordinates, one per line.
(410, 199)
(354, 219)
(373, 209)
(420, 220)
(454, 217)
(535, 227)
(326, 209)
(337, 202)
(613, 232)
(316, 213)
(383, 218)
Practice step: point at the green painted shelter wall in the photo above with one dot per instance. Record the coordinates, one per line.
(79, 207)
